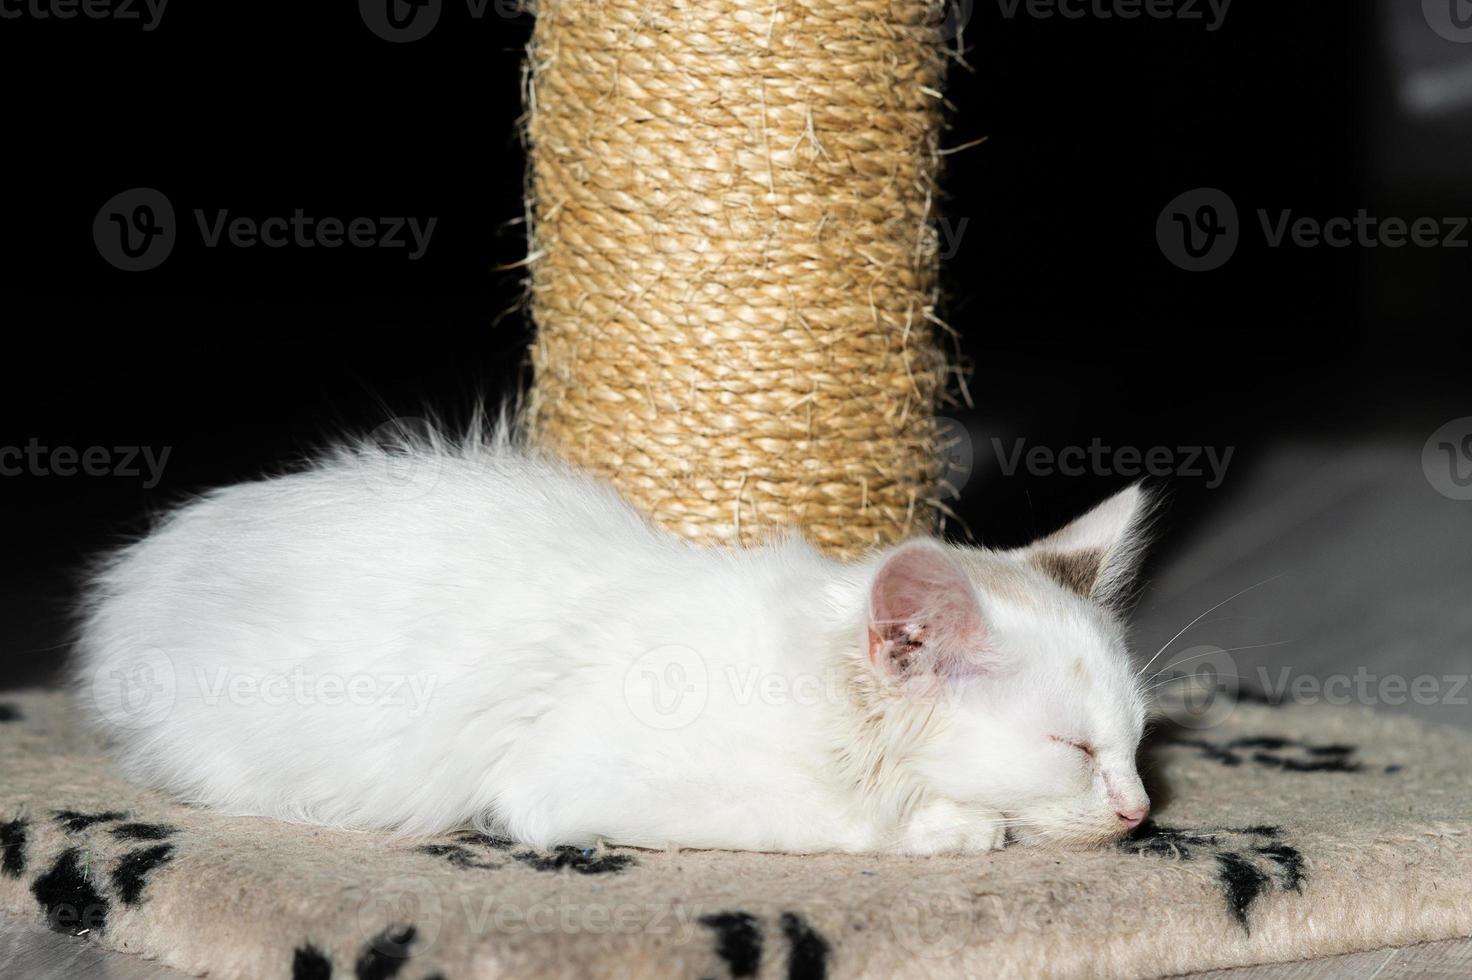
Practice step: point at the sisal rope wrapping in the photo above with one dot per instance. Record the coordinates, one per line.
(733, 266)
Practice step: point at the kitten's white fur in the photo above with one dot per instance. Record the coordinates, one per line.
(435, 634)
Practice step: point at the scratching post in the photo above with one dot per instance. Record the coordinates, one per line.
(733, 271)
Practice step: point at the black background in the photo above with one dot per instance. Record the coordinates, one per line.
(1077, 327)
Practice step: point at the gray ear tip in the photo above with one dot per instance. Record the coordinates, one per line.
(1147, 493)
(1148, 505)
(1106, 572)
(1153, 509)
(1120, 584)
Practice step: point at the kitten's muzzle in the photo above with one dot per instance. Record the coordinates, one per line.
(1133, 817)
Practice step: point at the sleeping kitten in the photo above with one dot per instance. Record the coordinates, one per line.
(431, 635)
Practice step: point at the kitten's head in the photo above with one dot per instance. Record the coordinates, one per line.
(1015, 667)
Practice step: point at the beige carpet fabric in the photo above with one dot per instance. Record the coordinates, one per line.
(1281, 833)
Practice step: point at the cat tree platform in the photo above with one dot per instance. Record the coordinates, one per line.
(1283, 834)
(1286, 833)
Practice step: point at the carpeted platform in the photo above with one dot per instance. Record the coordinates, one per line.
(1283, 833)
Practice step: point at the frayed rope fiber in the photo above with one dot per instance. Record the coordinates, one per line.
(733, 265)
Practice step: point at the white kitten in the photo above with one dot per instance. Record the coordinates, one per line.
(429, 635)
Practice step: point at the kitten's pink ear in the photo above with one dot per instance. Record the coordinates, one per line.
(1097, 555)
(923, 615)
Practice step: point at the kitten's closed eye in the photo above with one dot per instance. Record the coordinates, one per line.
(1083, 747)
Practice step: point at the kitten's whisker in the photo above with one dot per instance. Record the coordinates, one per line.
(1172, 680)
(1210, 653)
(1201, 617)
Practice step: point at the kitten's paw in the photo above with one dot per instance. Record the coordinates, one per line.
(990, 833)
(943, 827)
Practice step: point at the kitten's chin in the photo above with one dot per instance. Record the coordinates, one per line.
(1067, 838)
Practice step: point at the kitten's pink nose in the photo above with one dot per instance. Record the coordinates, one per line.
(1133, 818)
